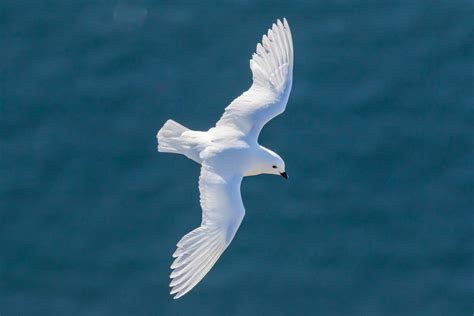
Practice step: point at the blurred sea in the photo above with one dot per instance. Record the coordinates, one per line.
(378, 137)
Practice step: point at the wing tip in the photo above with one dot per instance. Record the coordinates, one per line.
(280, 22)
(177, 294)
(197, 253)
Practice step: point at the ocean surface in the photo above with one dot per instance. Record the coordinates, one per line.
(377, 217)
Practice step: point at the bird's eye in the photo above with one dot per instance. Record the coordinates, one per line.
(274, 167)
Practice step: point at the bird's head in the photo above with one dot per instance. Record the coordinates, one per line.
(273, 164)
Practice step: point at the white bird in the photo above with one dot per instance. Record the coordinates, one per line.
(227, 153)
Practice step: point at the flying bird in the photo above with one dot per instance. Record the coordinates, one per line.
(227, 153)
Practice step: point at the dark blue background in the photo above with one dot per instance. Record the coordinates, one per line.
(378, 137)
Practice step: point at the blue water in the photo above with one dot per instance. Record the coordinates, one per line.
(378, 138)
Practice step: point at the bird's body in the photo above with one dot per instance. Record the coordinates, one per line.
(228, 152)
(222, 143)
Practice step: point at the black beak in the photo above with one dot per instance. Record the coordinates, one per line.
(284, 175)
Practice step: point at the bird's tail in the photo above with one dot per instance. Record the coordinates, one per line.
(169, 138)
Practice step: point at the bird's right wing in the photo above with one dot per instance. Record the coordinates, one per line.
(222, 213)
(272, 70)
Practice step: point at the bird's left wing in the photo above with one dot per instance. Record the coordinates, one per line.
(222, 213)
(272, 70)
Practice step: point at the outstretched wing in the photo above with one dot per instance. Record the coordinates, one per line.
(222, 213)
(272, 70)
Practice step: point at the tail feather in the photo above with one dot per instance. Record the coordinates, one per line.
(169, 137)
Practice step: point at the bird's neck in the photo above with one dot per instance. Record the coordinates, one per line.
(258, 161)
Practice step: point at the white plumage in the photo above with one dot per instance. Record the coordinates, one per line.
(272, 71)
(228, 152)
